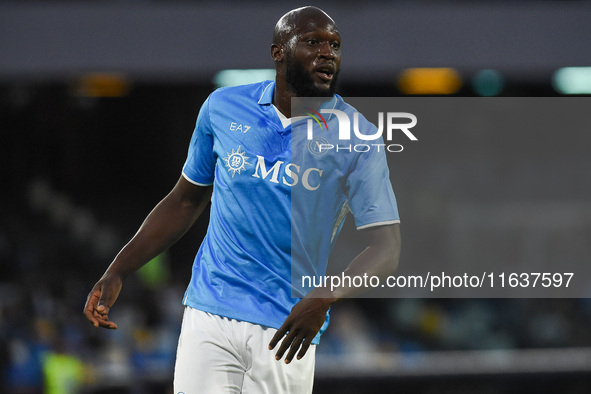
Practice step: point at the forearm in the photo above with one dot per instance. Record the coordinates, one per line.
(165, 225)
(380, 259)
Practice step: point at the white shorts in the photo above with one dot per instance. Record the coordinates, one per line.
(220, 355)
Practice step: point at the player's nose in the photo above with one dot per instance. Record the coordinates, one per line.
(325, 50)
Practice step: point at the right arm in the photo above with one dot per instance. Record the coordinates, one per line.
(165, 225)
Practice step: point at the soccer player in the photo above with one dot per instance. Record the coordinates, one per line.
(240, 318)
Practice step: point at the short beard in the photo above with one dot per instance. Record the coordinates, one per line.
(302, 84)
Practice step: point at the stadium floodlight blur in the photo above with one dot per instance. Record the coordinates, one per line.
(101, 84)
(426, 81)
(572, 80)
(242, 77)
(488, 82)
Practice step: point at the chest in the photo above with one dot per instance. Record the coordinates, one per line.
(252, 149)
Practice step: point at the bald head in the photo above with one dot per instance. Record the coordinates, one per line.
(296, 21)
(306, 50)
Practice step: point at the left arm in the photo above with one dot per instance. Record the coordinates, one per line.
(379, 259)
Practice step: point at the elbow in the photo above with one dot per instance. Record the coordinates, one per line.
(393, 250)
(386, 243)
(392, 257)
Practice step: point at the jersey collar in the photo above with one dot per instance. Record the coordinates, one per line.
(267, 95)
(267, 99)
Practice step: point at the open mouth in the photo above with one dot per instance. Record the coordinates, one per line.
(325, 73)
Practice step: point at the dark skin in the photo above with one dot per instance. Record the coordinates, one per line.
(312, 40)
(165, 225)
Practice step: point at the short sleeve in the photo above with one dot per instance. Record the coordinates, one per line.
(371, 198)
(199, 167)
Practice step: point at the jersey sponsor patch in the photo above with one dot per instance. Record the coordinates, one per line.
(236, 161)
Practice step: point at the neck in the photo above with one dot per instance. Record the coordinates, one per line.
(282, 97)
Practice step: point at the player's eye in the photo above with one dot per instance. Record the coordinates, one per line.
(335, 45)
(312, 41)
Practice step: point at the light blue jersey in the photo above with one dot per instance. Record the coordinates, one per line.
(276, 201)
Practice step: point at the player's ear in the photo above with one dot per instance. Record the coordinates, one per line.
(277, 52)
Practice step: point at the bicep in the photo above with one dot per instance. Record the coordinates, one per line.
(190, 194)
(386, 236)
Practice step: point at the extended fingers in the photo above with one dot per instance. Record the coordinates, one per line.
(305, 346)
(285, 344)
(295, 345)
(278, 335)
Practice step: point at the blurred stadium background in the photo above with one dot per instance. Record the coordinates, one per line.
(97, 104)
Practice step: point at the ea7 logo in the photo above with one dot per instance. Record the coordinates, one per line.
(345, 125)
(243, 128)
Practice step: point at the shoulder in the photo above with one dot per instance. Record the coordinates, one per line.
(347, 108)
(344, 106)
(340, 103)
(350, 110)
